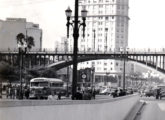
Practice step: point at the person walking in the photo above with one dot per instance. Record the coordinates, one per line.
(158, 95)
(59, 95)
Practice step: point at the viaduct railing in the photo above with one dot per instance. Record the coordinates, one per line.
(59, 60)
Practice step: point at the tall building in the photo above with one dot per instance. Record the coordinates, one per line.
(11, 27)
(106, 31)
(107, 25)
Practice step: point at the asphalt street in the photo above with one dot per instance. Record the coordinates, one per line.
(152, 110)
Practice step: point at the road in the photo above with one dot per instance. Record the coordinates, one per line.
(153, 110)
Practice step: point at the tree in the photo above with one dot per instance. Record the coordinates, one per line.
(8, 72)
(30, 42)
(22, 40)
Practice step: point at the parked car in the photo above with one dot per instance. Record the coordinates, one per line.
(149, 92)
(105, 91)
(129, 91)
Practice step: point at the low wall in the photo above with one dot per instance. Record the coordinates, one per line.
(109, 109)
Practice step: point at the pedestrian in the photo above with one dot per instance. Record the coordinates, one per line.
(27, 92)
(94, 94)
(52, 96)
(7, 92)
(12, 92)
(59, 95)
(158, 95)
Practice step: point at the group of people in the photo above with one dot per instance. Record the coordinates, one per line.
(86, 94)
(54, 96)
(14, 92)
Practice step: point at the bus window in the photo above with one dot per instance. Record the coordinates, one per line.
(56, 84)
(43, 84)
(34, 84)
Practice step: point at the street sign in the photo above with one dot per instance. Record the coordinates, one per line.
(84, 76)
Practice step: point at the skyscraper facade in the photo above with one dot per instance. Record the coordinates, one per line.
(106, 31)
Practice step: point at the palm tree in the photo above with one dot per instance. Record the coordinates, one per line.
(30, 42)
(21, 39)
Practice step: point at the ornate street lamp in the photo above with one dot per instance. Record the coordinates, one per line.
(76, 25)
(93, 77)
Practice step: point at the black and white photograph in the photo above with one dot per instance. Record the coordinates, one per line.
(82, 60)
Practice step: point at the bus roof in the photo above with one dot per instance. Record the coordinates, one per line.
(41, 79)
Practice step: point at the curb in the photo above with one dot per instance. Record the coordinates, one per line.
(136, 110)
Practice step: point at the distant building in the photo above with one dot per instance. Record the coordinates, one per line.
(10, 28)
(63, 45)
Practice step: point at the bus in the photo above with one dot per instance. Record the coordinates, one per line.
(41, 88)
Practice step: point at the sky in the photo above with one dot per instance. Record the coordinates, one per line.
(146, 24)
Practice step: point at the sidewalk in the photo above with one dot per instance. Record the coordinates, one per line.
(98, 97)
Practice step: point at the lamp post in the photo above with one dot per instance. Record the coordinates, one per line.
(93, 76)
(76, 24)
(68, 81)
(22, 47)
(124, 51)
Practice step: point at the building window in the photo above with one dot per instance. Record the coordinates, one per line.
(100, 18)
(100, 6)
(100, 1)
(106, 18)
(94, 1)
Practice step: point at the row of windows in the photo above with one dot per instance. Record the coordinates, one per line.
(107, 1)
(100, 1)
(106, 23)
(118, 19)
(100, 35)
(120, 36)
(107, 6)
(107, 12)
